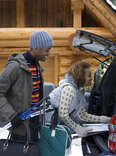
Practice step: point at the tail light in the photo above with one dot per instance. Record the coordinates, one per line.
(112, 134)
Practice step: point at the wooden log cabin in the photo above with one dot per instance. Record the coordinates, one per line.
(60, 18)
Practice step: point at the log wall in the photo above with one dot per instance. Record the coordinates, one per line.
(45, 13)
(7, 13)
(35, 13)
(54, 13)
(15, 40)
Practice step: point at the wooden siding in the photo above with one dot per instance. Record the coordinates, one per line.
(35, 13)
(16, 40)
(7, 13)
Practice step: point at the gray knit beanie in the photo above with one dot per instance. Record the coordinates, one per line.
(40, 39)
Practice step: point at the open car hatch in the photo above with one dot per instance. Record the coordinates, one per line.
(93, 43)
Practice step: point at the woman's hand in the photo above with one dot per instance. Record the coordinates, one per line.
(105, 119)
(82, 131)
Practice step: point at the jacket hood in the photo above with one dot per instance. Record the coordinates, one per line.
(68, 79)
(20, 59)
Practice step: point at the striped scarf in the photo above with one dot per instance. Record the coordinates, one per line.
(36, 83)
(34, 68)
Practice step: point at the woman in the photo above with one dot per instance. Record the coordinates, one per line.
(70, 101)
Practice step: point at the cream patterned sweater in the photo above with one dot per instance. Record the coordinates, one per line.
(67, 96)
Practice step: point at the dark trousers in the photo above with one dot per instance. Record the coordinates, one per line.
(34, 127)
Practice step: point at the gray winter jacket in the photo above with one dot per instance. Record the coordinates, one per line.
(15, 88)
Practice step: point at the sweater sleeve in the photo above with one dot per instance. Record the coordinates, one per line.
(67, 96)
(84, 116)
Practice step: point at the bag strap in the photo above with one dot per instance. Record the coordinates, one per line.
(28, 140)
(44, 112)
(54, 119)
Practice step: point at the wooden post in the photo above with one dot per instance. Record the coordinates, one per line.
(77, 18)
(56, 65)
(114, 2)
(20, 13)
(77, 7)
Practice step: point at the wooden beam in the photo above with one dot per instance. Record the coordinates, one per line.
(25, 43)
(20, 13)
(77, 4)
(56, 67)
(56, 33)
(100, 31)
(62, 51)
(77, 19)
(18, 39)
(77, 7)
(24, 33)
(103, 13)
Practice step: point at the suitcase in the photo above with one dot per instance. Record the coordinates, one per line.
(54, 145)
(19, 147)
(58, 144)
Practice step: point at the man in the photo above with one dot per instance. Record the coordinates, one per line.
(21, 84)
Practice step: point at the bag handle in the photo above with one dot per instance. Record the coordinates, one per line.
(28, 140)
(54, 121)
(54, 118)
(43, 113)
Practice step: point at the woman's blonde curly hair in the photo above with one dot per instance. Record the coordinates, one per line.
(77, 71)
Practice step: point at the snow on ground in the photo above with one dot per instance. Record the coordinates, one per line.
(76, 148)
